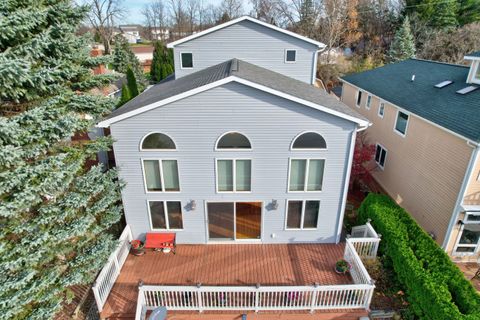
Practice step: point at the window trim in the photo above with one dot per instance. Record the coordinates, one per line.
(380, 102)
(150, 150)
(302, 217)
(181, 60)
(234, 167)
(161, 176)
(167, 221)
(307, 149)
(305, 182)
(285, 58)
(368, 104)
(359, 93)
(232, 149)
(386, 155)
(459, 236)
(403, 135)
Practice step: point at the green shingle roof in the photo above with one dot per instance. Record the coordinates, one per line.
(456, 112)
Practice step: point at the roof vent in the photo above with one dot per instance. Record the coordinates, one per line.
(413, 77)
(443, 84)
(467, 90)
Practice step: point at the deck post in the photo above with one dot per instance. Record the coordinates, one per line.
(257, 297)
(96, 294)
(199, 298)
(314, 297)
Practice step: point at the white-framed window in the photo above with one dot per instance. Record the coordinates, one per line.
(359, 98)
(234, 175)
(165, 215)
(380, 155)
(468, 241)
(157, 141)
(233, 141)
(309, 140)
(186, 60)
(401, 123)
(290, 55)
(369, 102)
(381, 109)
(160, 175)
(302, 214)
(476, 74)
(306, 175)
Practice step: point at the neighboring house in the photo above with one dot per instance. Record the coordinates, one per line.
(144, 55)
(426, 128)
(131, 32)
(240, 146)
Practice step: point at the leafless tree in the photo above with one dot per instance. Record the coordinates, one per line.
(268, 10)
(179, 18)
(232, 8)
(192, 13)
(103, 14)
(156, 20)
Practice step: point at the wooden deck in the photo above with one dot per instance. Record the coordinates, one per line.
(234, 265)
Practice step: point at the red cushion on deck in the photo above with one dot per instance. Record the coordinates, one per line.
(159, 240)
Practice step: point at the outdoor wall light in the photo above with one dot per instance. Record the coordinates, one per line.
(274, 204)
(192, 204)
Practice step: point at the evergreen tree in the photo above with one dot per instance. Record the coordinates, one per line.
(123, 57)
(438, 14)
(55, 212)
(403, 45)
(162, 62)
(132, 83)
(126, 95)
(468, 11)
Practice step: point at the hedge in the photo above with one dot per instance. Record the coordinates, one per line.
(435, 287)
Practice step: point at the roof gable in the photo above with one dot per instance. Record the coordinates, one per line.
(444, 107)
(244, 18)
(241, 72)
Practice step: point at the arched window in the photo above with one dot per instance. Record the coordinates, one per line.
(157, 141)
(309, 140)
(233, 140)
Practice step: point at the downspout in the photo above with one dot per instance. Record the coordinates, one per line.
(466, 181)
(315, 61)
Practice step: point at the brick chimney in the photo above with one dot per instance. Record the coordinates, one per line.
(96, 52)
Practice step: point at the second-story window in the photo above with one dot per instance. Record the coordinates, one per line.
(359, 98)
(306, 175)
(369, 102)
(234, 175)
(161, 175)
(401, 123)
(187, 60)
(381, 109)
(290, 56)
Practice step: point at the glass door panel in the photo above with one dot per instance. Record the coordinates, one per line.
(248, 220)
(221, 221)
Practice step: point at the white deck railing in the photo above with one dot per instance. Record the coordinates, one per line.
(365, 240)
(107, 277)
(254, 299)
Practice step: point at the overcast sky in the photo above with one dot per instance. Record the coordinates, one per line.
(134, 9)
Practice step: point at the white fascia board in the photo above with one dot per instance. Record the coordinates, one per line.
(231, 22)
(471, 58)
(107, 122)
(469, 141)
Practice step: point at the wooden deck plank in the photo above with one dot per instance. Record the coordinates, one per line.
(225, 264)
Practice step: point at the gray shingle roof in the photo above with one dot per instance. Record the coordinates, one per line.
(456, 112)
(242, 70)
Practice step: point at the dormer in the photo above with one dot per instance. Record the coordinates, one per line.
(250, 40)
(474, 74)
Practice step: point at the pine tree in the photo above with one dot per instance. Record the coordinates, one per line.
(468, 11)
(55, 212)
(403, 45)
(132, 83)
(123, 57)
(162, 62)
(126, 95)
(439, 14)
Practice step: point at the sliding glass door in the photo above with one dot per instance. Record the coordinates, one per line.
(234, 220)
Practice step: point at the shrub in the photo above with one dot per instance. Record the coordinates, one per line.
(435, 287)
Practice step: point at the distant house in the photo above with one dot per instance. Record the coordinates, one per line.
(426, 128)
(144, 54)
(131, 32)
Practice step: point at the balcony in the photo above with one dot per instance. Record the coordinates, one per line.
(235, 277)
